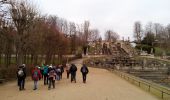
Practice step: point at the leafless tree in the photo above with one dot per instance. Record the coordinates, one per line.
(138, 34)
(22, 14)
(111, 36)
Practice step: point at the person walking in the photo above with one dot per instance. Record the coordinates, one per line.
(73, 70)
(67, 70)
(45, 73)
(84, 70)
(36, 75)
(21, 75)
(52, 77)
(62, 70)
(58, 72)
(24, 69)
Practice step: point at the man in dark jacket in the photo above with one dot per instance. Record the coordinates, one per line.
(72, 71)
(21, 75)
(84, 70)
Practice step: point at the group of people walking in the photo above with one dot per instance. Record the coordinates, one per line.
(50, 74)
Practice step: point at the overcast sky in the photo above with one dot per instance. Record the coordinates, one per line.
(118, 15)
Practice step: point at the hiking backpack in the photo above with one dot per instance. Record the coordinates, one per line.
(84, 70)
(35, 74)
(20, 73)
(45, 70)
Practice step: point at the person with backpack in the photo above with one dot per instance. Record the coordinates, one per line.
(73, 70)
(21, 75)
(84, 70)
(52, 77)
(58, 72)
(45, 73)
(36, 75)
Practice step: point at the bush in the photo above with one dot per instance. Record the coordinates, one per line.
(146, 48)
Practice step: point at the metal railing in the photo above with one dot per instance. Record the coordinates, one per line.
(158, 90)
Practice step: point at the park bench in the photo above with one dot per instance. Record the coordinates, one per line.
(2, 80)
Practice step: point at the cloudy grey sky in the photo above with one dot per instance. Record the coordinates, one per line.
(118, 15)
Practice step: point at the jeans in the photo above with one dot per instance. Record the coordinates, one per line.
(21, 82)
(35, 84)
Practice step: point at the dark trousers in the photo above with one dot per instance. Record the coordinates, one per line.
(73, 77)
(84, 77)
(68, 74)
(21, 83)
(51, 82)
(45, 79)
(61, 75)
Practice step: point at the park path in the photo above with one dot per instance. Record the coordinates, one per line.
(101, 85)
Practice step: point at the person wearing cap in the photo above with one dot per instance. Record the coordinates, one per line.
(36, 75)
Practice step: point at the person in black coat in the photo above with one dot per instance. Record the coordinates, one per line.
(21, 75)
(84, 70)
(73, 70)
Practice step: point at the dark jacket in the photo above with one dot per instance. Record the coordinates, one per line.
(24, 71)
(73, 69)
(86, 69)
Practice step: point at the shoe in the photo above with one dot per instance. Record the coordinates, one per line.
(34, 89)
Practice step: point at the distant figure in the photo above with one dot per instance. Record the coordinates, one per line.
(52, 77)
(45, 73)
(42, 70)
(67, 70)
(21, 75)
(58, 72)
(36, 75)
(84, 70)
(62, 70)
(73, 70)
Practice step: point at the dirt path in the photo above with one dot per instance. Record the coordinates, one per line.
(101, 85)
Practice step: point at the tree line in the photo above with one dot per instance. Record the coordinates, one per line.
(30, 35)
(153, 35)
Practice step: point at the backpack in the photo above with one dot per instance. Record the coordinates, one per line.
(45, 70)
(84, 70)
(20, 73)
(51, 73)
(35, 74)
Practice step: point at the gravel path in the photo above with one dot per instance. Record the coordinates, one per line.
(101, 85)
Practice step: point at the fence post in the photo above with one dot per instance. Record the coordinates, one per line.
(139, 84)
(149, 88)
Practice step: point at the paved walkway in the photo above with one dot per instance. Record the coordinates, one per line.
(101, 85)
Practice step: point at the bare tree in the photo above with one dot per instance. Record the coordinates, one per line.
(94, 35)
(111, 36)
(22, 14)
(138, 34)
